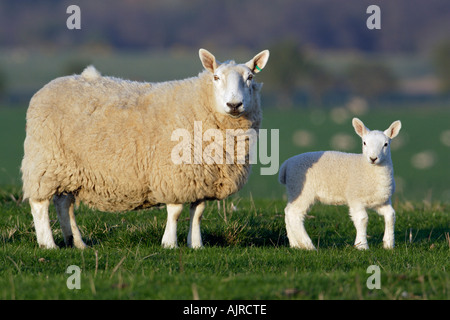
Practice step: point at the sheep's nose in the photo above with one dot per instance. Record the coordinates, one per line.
(234, 106)
(373, 159)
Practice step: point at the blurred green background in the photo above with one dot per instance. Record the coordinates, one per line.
(325, 67)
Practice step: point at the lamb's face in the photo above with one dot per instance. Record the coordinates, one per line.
(233, 89)
(376, 147)
(376, 144)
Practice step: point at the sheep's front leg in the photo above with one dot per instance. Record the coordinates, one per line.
(360, 219)
(296, 232)
(194, 239)
(169, 239)
(39, 210)
(389, 221)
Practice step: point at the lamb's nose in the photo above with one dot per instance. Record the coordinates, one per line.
(373, 159)
(234, 105)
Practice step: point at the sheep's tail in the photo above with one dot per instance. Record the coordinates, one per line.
(282, 174)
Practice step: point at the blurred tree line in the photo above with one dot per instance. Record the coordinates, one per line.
(441, 61)
(406, 25)
(3, 82)
(293, 69)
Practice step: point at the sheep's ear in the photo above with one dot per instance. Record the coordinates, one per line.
(208, 60)
(259, 61)
(393, 130)
(360, 128)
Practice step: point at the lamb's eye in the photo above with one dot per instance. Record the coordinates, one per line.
(386, 144)
(216, 77)
(364, 143)
(250, 77)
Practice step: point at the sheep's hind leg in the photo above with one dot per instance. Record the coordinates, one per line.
(169, 239)
(296, 232)
(194, 239)
(64, 205)
(360, 220)
(39, 210)
(389, 221)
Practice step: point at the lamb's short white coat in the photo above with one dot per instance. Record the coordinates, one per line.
(358, 180)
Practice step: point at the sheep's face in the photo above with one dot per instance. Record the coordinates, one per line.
(234, 89)
(233, 86)
(376, 144)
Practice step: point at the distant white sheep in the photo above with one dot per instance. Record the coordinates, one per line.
(108, 142)
(358, 180)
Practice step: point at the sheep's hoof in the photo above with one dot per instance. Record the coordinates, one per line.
(361, 246)
(310, 247)
(80, 245)
(194, 244)
(169, 245)
(388, 246)
(196, 247)
(48, 246)
(71, 242)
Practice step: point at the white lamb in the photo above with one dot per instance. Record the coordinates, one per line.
(358, 180)
(109, 143)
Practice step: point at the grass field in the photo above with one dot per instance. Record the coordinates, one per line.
(246, 254)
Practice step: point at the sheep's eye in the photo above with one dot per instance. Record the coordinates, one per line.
(386, 144)
(250, 77)
(364, 143)
(216, 77)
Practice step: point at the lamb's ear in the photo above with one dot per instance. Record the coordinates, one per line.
(393, 130)
(259, 61)
(360, 128)
(208, 60)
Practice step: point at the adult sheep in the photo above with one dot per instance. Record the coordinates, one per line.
(108, 142)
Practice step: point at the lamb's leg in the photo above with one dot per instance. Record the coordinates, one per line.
(389, 221)
(194, 239)
(296, 232)
(169, 239)
(39, 210)
(64, 204)
(360, 219)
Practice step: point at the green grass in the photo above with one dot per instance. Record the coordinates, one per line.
(246, 255)
(12, 135)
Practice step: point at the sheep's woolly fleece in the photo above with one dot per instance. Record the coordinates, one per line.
(108, 141)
